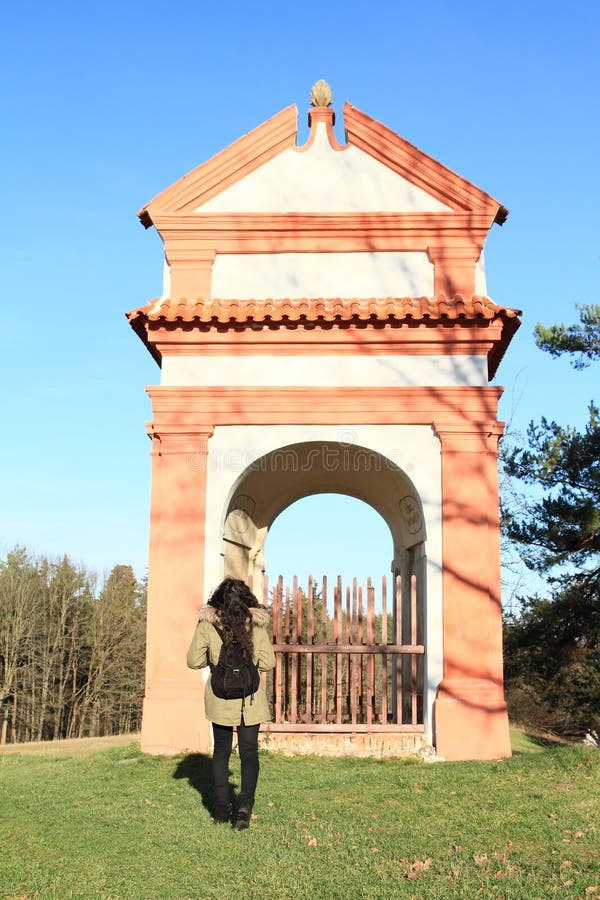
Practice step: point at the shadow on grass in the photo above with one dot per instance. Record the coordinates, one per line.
(528, 742)
(197, 768)
(545, 742)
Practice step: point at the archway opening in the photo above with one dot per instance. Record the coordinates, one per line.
(329, 534)
(329, 563)
(349, 655)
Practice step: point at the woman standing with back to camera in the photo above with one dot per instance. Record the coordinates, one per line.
(241, 620)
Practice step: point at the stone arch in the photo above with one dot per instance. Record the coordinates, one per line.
(279, 478)
(286, 474)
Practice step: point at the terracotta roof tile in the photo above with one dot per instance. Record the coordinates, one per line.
(245, 312)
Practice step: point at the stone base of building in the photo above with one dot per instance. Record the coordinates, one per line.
(471, 720)
(345, 743)
(172, 722)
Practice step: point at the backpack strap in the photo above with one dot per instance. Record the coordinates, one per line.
(222, 636)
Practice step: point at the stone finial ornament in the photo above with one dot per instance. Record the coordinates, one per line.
(321, 94)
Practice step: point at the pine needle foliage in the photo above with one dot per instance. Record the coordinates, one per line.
(552, 644)
(581, 341)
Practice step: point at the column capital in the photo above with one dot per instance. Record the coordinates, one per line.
(465, 251)
(169, 439)
(480, 437)
(182, 254)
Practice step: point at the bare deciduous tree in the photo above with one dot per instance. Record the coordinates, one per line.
(71, 655)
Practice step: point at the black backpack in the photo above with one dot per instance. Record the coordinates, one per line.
(233, 677)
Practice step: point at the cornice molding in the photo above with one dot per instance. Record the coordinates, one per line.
(245, 155)
(422, 223)
(474, 409)
(459, 235)
(423, 170)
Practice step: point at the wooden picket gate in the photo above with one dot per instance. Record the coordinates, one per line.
(343, 666)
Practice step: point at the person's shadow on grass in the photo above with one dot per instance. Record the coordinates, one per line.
(197, 768)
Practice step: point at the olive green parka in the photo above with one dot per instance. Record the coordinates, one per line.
(206, 645)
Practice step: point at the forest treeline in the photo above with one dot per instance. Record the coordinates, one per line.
(72, 649)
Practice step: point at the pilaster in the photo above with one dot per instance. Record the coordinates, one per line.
(454, 267)
(191, 268)
(471, 720)
(173, 695)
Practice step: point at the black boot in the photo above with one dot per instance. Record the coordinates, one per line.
(244, 813)
(222, 812)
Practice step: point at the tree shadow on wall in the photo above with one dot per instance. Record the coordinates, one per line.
(197, 768)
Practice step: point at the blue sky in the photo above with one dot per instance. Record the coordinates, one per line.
(106, 104)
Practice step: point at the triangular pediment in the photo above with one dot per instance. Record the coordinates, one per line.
(323, 179)
(228, 166)
(376, 171)
(418, 167)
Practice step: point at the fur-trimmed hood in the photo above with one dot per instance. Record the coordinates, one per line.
(259, 614)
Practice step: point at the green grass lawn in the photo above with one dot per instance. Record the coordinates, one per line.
(116, 824)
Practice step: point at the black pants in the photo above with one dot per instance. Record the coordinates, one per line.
(248, 750)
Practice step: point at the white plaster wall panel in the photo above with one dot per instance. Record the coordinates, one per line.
(480, 279)
(260, 276)
(317, 370)
(413, 448)
(322, 179)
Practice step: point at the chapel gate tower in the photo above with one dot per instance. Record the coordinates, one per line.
(311, 291)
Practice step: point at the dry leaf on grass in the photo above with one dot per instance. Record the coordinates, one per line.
(418, 866)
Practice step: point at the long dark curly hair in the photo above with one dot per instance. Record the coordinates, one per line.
(233, 599)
